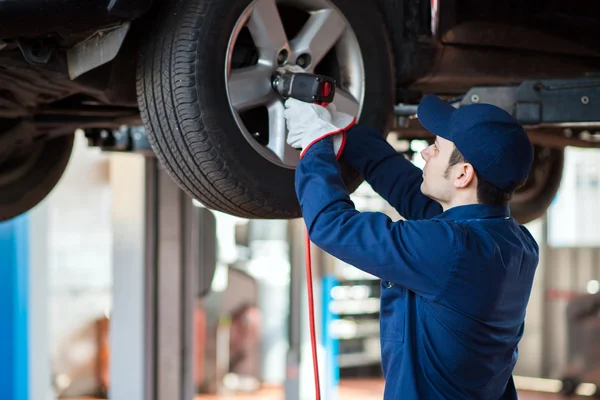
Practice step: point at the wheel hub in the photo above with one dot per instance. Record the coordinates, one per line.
(311, 34)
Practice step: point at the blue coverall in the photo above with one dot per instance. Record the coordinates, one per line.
(455, 284)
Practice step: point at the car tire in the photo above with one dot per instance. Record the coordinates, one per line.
(533, 199)
(26, 183)
(184, 102)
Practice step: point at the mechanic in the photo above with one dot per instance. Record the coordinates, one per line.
(456, 275)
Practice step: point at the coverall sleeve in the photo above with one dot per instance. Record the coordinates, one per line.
(388, 172)
(418, 255)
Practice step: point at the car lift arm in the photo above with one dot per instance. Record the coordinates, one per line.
(573, 105)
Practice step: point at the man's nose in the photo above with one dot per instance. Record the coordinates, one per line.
(425, 154)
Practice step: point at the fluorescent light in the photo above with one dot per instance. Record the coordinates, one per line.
(551, 385)
(538, 384)
(593, 287)
(586, 389)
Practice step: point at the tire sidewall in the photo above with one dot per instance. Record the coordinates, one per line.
(23, 195)
(527, 211)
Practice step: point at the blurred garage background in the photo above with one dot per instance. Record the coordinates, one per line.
(243, 328)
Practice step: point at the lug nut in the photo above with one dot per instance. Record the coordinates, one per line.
(303, 60)
(282, 57)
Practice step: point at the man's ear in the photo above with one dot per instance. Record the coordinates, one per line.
(465, 175)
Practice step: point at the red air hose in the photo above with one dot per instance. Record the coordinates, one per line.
(311, 302)
(311, 316)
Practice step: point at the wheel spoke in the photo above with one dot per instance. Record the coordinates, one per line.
(250, 87)
(320, 33)
(277, 135)
(345, 102)
(266, 28)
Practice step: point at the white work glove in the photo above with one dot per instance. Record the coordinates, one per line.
(308, 123)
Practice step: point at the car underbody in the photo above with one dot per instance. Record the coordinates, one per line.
(104, 65)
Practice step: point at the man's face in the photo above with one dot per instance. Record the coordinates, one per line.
(436, 184)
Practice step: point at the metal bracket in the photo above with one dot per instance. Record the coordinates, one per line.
(100, 48)
(555, 112)
(552, 102)
(567, 102)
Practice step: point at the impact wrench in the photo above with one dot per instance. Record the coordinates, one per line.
(320, 90)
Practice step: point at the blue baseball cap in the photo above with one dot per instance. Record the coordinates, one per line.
(489, 138)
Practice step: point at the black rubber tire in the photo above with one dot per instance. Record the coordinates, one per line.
(183, 103)
(25, 193)
(547, 170)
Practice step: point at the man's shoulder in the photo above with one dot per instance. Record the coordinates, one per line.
(447, 228)
(433, 222)
(530, 239)
(498, 233)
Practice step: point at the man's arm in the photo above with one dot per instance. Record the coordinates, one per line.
(418, 255)
(390, 174)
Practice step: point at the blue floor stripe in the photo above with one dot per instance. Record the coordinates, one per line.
(332, 371)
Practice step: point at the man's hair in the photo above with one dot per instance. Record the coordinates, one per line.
(486, 192)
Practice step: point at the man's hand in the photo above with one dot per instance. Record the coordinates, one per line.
(308, 123)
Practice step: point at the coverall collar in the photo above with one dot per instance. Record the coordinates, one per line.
(475, 211)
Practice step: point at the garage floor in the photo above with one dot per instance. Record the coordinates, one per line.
(363, 390)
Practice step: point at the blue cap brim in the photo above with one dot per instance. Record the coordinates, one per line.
(435, 114)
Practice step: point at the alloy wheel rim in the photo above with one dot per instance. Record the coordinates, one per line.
(324, 42)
